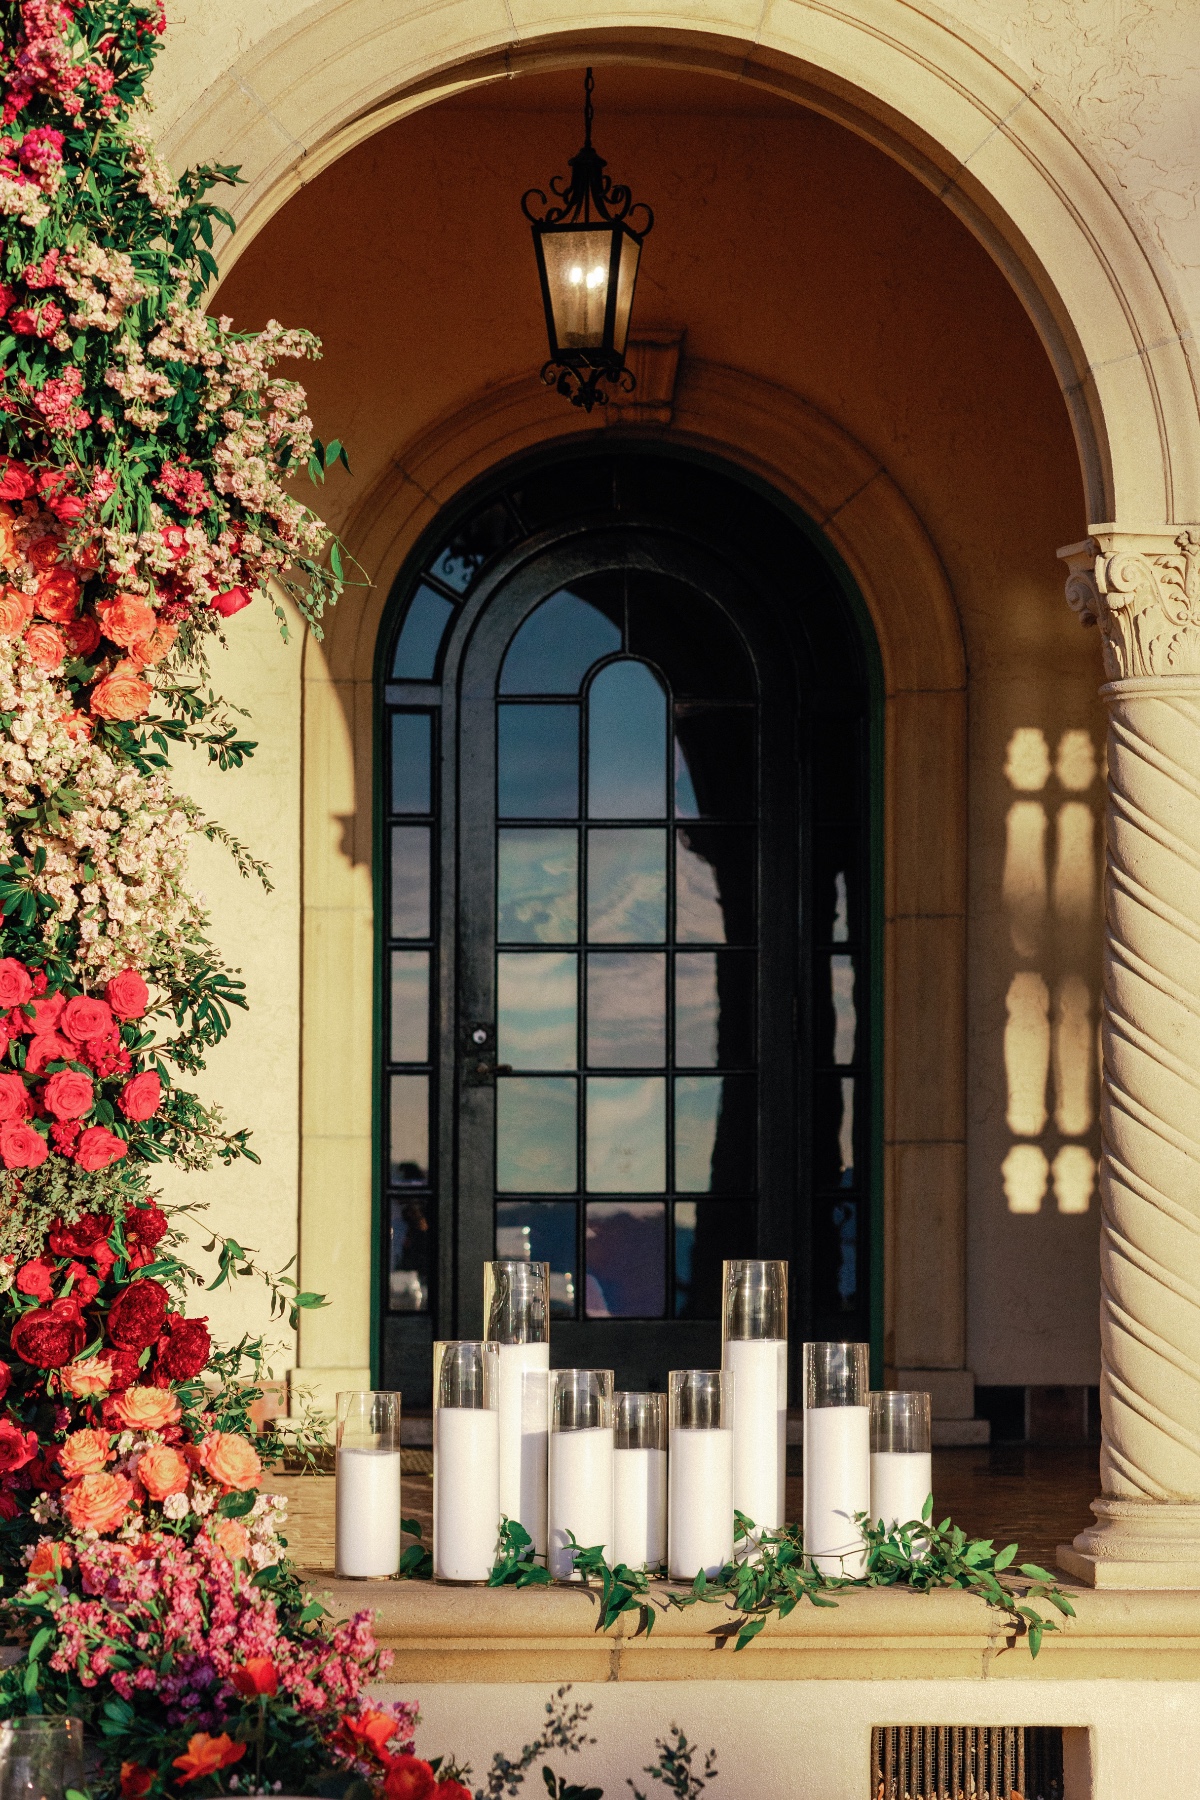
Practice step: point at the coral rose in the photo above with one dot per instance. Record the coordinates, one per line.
(408, 1778)
(97, 1148)
(136, 1780)
(163, 1472)
(146, 1408)
(84, 1380)
(57, 595)
(17, 1447)
(257, 1675)
(185, 1351)
(126, 620)
(98, 1502)
(230, 1460)
(135, 1318)
(141, 1098)
(122, 695)
(45, 646)
(50, 1336)
(21, 1147)
(128, 995)
(83, 1018)
(232, 1537)
(68, 1095)
(84, 1453)
(205, 1755)
(82, 635)
(16, 984)
(158, 644)
(16, 610)
(14, 1098)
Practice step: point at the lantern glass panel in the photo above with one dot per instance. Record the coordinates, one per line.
(627, 269)
(577, 275)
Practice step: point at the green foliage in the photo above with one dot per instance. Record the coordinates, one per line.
(515, 1564)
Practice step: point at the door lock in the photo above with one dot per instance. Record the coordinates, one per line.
(477, 1055)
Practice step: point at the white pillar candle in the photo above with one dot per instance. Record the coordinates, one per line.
(901, 1482)
(367, 1507)
(524, 1387)
(581, 1495)
(640, 1508)
(466, 1492)
(759, 1369)
(837, 1484)
(700, 1478)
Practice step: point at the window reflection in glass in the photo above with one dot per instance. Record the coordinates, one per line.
(715, 1130)
(706, 1233)
(833, 1131)
(421, 635)
(557, 645)
(408, 1133)
(536, 1009)
(714, 763)
(535, 1134)
(409, 1256)
(845, 1015)
(537, 757)
(412, 735)
(410, 1006)
(537, 888)
(627, 744)
(627, 886)
(542, 1231)
(626, 1134)
(689, 638)
(458, 562)
(626, 1010)
(410, 881)
(714, 1009)
(841, 908)
(714, 885)
(626, 1248)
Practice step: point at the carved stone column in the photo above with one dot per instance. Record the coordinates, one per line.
(1142, 590)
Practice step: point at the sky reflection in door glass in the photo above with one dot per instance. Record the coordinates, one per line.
(626, 1010)
(627, 886)
(627, 744)
(537, 888)
(535, 1134)
(535, 1014)
(626, 1259)
(557, 645)
(626, 1134)
(538, 762)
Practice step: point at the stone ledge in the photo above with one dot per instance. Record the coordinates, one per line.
(467, 1634)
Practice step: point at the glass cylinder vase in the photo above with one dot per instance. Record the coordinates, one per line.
(700, 1472)
(367, 1492)
(754, 1349)
(516, 1312)
(41, 1756)
(581, 1467)
(466, 1459)
(640, 1480)
(901, 1457)
(837, 1456)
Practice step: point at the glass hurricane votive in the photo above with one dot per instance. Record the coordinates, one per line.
(754, 1349)
(640, 1480)
(516, 1312)
(837, 1455)
(367, 1484)
(581, 1466)
(700, 1472)
(466, 1459)
(901, 1457)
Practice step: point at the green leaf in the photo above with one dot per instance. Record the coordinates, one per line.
(236, 1506)
(1005, 1557)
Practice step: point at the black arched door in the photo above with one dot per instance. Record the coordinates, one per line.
(628, 1026)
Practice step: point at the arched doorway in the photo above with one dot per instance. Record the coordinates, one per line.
(628, 912)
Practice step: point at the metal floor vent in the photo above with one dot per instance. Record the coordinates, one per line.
(966, 1762)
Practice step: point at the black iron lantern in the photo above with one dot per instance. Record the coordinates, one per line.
(587, 255)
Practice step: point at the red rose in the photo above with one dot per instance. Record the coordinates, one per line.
(140, 1098)
(16, 483)
(68, 1095)
(5, 1378)
(17, 1447)
(38, 1015)
(50, 1336)
(84, 1286)
(83, 1238)
(14, 1098)
(15, 984)
(145, 1226)
(8, 1507)
(98, 1147)
(82, 635)
(128, 994)
(230, 602)
(408, 1778)
(21, 1147)
(185, 1349)
(449, 1789)
(46, 1047)
(34, 1279)
(136, 1317)
(126, 1369)
(84, 1018)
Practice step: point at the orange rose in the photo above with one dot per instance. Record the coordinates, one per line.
(122, 695)
(58, 595)
(231, 1460)
(98, 1502)
(83, 1379)
(49, 1559)
(16, 610)
(146, 1408)
(233, 1538)
(45, 645)
(84, 1453)
(205, 1755)
(164, 1471)
(127, 620)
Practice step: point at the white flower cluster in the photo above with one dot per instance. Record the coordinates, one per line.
(103, 285)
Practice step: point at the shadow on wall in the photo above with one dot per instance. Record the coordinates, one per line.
(1051, 893)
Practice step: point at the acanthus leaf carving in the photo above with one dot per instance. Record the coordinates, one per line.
(1145, 602)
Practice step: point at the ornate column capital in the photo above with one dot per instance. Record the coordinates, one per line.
(1142, 588)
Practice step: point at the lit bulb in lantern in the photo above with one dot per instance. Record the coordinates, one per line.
(575, 276)
(595, 278)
